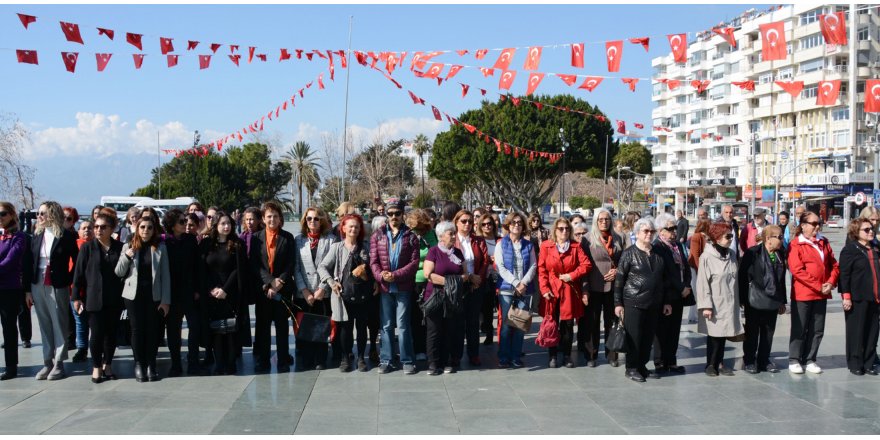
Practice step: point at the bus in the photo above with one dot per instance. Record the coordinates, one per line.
(166, 204)
(122, 203)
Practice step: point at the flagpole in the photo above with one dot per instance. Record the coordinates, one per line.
(345, 123)
(159, 162)
(605, 179)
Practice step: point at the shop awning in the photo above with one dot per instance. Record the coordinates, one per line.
(819, 198)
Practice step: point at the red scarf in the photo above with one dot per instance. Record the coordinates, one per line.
(609, 243)
(313, 240)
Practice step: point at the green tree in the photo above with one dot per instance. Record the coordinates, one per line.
(301, 158)
(312, 181)
(575, 202)
(523, 182)
(591, 202)
(638, 158)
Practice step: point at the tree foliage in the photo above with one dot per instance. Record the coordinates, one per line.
(382, 170)
(463, 159)
(304, 163)
(242, 176)
(638, 158)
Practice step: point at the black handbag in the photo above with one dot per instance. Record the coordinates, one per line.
(223, 326)
(311, 327)
(760, 301)
(356, 290)
(616, 338)
(434, 302)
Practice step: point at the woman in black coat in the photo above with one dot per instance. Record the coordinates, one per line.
(95, 283)
(859, 278)
(224, 271)
(183, 259)
(677, 283)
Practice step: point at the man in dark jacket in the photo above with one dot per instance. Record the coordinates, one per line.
(394, 260)
(681, 228)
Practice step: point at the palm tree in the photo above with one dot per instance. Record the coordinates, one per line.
(300, 157)
(421, 147)
(311, 180)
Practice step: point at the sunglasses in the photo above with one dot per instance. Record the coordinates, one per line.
(312, 219)
(562, 228)
(576, 234)
(101, 227)
(70, 219)
(465, 221)
(670, 229)
(394, 213)
(649, 231)
(814, 224)
(728, 236)
(145, 227)
(42, 214)
(488, 224)
(3, 213)
(868, 230)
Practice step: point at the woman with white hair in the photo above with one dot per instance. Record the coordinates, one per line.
(677, 277)
(638, 294)
(603, 247)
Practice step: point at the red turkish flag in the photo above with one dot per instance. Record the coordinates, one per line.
(644, 41)
(487, 72)
(506, 80)
(567, 79)
(591, 82)
(215, 46)
(235, 58)
(792, 87)
(262, 57)
(190, 45)
(464, 90)
(172, 60)
(232, 48)
(108, 32)
(436, 113)
(70, 60)
(727, 34)
(321, 81)
(872, 95)
(639, 126)
(285, 55)
(833, 28)
(621, 127)
(631, 82)
(416, 99)
(773, 45)
(461, 52)
(503, 61)
(533, 59)
(535, 78)
(103, 59)
(138, 60)
(745, 85)
(701, 86)
(577, 55)
(71, 32)
(481, 53)
(251, 50)
(166, 45)
(434, 70)
(204, 62)
(613, 53)
(828, 92)
(678, 43)
(134, 40)
(26, 19)
(453, 71)
(26, 56)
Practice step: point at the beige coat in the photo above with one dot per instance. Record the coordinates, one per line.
(127, 269)
(717, 291)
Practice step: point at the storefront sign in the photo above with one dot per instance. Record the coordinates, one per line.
(720, 181)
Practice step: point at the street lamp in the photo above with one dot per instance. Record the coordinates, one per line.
(562, 186)
(196, 138)
(754, 172)
(619, 168)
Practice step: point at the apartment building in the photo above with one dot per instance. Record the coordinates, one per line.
(711, 145)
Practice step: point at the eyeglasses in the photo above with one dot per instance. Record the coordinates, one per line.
(101, 227)
(487, 224)
(146, 227)
(312, 219)
(465, 221)
(649, 231)
(670, 229)
(3, 213)
(210, 217)
(70, 219)
(562, 228)
(868, 230)
(578, 234)
(516, 223)
(813, 224)
(394, 213)
(728, 236)
(603, 219)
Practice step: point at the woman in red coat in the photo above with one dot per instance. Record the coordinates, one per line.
(814, 273)
(561, 265)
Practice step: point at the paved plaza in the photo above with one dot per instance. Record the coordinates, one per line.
(532, 400)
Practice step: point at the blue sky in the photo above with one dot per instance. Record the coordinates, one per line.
(95, 120)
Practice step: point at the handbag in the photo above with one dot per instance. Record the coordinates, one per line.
(616, 341)
(548, 334)
(760, 301)
(355, 290)
(738, 338)
(223, 326)
(519, 318)
(434, 302)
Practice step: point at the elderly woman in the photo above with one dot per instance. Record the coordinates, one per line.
(859, 267)
(718, 297)
(814, 272)
(517, 265)
(561, 265)
(762, 294)
(698, 243)
(419, 222)
(487, 229)
(13, 247)
(627, 229)
(638, 295)
(603, 247)
(445, 327)
(312, 295)
(677, 277)
(476, 265)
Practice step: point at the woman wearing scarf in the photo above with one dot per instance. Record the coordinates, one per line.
(677, 281)
(859, 280)
(312, 295)
(560, 269)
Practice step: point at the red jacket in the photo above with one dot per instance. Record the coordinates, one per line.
(481, 256)
(809, 271)
(552, 264)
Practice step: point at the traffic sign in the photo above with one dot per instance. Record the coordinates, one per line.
(860, 198)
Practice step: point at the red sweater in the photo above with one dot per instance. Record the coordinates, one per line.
(810, 271)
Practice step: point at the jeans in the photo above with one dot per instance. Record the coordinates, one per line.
(510, 343)
(81, 323)
(395, 312)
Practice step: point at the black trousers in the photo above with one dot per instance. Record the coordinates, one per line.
(599, 310)
(417, 321)
(25, 329)
(145, 317)
(666, 339)
(10, 307)
(760, 327)
(444, 337)
(269, 312)
(807, 329)
(566, 335)
(487, 309)
(714, 350)
(862, 327)
(224, 351)
(640, 325)
(102, 335)
(374, 306)
(195, 329)
(357, 321)
(473, 304)
(313, 353)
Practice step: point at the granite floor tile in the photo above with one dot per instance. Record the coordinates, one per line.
(547, 399)
(128, 399)
(851, 408)
(641, 414)
(25, 421)
(98, 421)
(414, 400)
(257, 422)
(501, 421)
(575, 420)
(790, 409)
(56, 399)
(417, 422)
(10, 398)
(176, 421)
(483, 399)
(358, 421)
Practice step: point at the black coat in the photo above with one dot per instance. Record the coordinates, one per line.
(64, 250)
(857, 274)
(673, 281)
(753, 268)
(640, 279)
(183, 257)
(89, 278)
(283, 266)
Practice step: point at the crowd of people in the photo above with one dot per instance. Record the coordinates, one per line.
(421, 287)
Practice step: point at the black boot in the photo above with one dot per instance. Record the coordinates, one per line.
(139, 372)
(152, 372)
(10, 373)
(176, 367)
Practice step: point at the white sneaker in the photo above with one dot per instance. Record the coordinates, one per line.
(812, 367)
(796, 368)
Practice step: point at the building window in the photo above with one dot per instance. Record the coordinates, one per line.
(754, 126)
(840, 114)
(810, 92)
(681, 99)
(811, 16)
(812, 65)
(810, 41)
(863, 34)
(840, 138)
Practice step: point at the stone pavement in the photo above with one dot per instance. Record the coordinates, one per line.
(532, 400)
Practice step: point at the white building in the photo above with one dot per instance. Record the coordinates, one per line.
(407, 150)
(808, 151)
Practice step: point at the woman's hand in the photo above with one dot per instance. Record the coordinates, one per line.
(520, 289)
(29, 299)
(163, 308)
(586, 299)
(310, 300)
(220, 294)
(610, 275)
(847, 305)
(360, 272)
(826, 289)
(565, 277)
(707, 313)
(667, 309)
(77, 306)
(547, 295)
(618, 311)
(475, 279)
(319, 294)
(686, 292)
(129, 253)
(336, 286)
(782, 309)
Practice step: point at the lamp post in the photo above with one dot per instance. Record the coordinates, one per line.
(754, 173)
(196, 138)
(618, 182)
(562, 186)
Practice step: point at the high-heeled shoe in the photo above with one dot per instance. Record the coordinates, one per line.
(98, 379)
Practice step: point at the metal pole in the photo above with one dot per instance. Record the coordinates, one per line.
(159, 161)
(345, 123)
(605, 179)
(618, 187)
(754, 173)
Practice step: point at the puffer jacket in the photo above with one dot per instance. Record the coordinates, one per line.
(639, 282)
(407, 265)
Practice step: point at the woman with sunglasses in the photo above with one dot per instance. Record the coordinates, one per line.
(146, 294)
(49, 277)
(488, 231)
(814, 272)
(638, 295)
(561, 265)
(79, 331)
(13, 246)
(183, 255)
(517, 266)
(97, 290)
(859, 274)
(312, 295)
(762, 294)
(678, 285)
(718, 297)
(476, 267)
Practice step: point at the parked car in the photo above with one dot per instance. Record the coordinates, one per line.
(834, 222)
